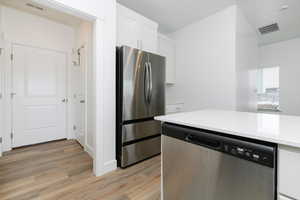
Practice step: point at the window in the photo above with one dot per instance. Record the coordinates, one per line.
(268, 89)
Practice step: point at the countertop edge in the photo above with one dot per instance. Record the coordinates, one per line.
(228, 132)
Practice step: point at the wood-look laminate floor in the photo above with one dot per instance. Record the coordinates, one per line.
(62, 170)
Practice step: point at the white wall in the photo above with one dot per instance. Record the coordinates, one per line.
(85, 38)
(247, 61)
(166, 47)
(205, 63)
(286, 55)
(27, 29)
(46, 34)
(105, 11)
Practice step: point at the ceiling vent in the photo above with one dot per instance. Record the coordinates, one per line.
(269, 29)
(35, 6)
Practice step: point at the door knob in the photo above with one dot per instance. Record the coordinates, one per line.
(82, 101)
(65, 100)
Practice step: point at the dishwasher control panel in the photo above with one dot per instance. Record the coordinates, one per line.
(247, 149)
(248, 153)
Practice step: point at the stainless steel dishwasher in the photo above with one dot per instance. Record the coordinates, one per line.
(205, 165)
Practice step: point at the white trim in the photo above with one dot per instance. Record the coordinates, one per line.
(2, 91)
(109, 166)
(98, 66)
(88, 67)
(37, 47)
(165, 37)
(69, 108)
(7, 143)
(99, 101)
(65, 9)
(89, 150)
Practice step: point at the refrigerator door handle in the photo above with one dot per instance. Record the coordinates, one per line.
(146, 82)
(150, 83)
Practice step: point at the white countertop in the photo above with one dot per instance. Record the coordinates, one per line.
(280, 129)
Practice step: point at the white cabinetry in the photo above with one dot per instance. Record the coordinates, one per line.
(135, 30)
(166, 47)
(289, 172)
(148, 39)
(127, 32)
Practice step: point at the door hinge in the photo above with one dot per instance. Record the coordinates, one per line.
(0, 140)
(12, 95)
(11, 135)
(11, 57)
(65, 100)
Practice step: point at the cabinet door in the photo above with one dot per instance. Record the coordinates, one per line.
(167, 48)
(127, 32)
(148, 38)
(288, 171)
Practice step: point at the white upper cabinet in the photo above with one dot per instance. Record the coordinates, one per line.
(127, 32)
(166, 47)
(135, 30)
(148, 41)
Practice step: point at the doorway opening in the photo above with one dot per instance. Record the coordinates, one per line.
(47, 79)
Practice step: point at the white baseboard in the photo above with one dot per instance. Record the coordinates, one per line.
(89, 150)
(109, 166)
(5, 148)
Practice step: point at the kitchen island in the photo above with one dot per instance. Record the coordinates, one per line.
(280, 130)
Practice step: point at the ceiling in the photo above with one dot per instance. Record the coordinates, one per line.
(173, 15)
(264, 12)
(48, 13)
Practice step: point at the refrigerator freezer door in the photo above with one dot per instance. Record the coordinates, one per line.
(136, 84)
(139, 151)
(140, 130)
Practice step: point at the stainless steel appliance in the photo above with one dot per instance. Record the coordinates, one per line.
(140, 97)
(205, 165)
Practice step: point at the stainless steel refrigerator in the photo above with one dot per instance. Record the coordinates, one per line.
(140, 97)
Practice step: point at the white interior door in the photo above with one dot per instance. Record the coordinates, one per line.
(81, 98)
(39, 90)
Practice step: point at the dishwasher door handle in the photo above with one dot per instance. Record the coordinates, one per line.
(205, 141)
